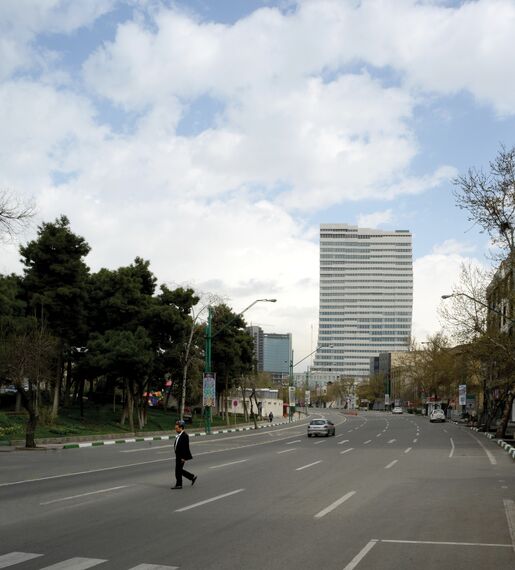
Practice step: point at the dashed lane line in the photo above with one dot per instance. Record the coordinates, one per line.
(212, 499)
(226, 464)
(360, 555)
(334, 505)
(308, 465)
(343, 441)
(391, 464)
(408, 450)
(60, 500)
(346, 450)
(16, 558)
(451, 453)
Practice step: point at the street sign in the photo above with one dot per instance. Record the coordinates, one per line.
(235, 403)
(307, 397)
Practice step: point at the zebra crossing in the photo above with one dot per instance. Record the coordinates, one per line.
(77, 563)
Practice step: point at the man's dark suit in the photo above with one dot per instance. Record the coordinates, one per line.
(182, 453)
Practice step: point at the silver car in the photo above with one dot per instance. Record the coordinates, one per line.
(437, 415)
(321, 426)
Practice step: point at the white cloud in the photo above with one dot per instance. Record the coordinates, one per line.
(22, 20)
(375, 219)
(435, 275)
(453, 247)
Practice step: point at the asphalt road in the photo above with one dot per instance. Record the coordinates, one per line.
(388, 492)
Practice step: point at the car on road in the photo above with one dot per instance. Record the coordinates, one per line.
(321, 426)
(397, 410)
(437, 415)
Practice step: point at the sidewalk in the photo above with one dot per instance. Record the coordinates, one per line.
(115, 439)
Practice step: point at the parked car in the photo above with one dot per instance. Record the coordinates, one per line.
(437, 415)
(321, 426)
(397, 410)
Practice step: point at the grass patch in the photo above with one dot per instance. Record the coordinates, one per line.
(97, 420)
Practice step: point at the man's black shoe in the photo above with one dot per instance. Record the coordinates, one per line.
(176, 487)
(193, 480)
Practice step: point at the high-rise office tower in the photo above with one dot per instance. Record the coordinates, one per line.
(366, 297)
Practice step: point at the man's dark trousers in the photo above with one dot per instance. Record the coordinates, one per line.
(180, 472)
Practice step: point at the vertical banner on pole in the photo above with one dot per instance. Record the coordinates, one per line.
(462, 394)
(208, 397)
(209, 390)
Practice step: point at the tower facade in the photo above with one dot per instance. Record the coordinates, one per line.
(366, 297)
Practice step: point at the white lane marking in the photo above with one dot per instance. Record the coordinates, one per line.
(217, 498)
(504, 486)
(379, 435)
(368, 441)
(75, 473)
(153, 567)
(333, 506)
(84, 495)
(321, 441)
(75, 564)
(491, 458)
(225, 464)
(407, 450)
(445, 431)
(509, 509)
(415, 440)
(391, 464)
(346, 450)
(360, 555)
(343, 441)
(340, 435)
(16, 558)
(451, 453)
(290, 442)
(308, 465)
(392, 441)
(447, 543)
(153, 448)
(287, 450)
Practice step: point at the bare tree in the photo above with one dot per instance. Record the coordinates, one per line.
(489, 199)
(14, 214)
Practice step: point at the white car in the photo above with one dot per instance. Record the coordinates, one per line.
(437, 415)
(397, 410)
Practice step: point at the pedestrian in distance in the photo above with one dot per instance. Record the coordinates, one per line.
(270, 417)
(182, 454)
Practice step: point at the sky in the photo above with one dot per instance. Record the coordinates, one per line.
(212, 137)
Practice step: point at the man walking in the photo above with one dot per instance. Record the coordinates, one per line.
(182, 454)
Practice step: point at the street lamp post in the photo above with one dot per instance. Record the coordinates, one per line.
(292, 365)
(494, 310)
(208, 343)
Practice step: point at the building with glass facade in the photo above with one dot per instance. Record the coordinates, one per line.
(366, 297)
(272, 352)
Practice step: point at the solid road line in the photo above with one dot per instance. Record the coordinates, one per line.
(509, 508)
(333, 506)
(491, 458)
(84, 495)
(287, 450)
(360, 555)
(217, 498)
(447, 543)
(16, 558)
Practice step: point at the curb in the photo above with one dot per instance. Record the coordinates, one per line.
(163, 437)
(510, 450)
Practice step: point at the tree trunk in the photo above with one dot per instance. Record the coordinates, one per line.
(57, 389)
(28, 404)
(503, 424)
(80, 395)
(68, 383)
(130, 404)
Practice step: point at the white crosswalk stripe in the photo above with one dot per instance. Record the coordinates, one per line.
(16, 558)
(153, 567)
(75, 564)
(78, 563)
